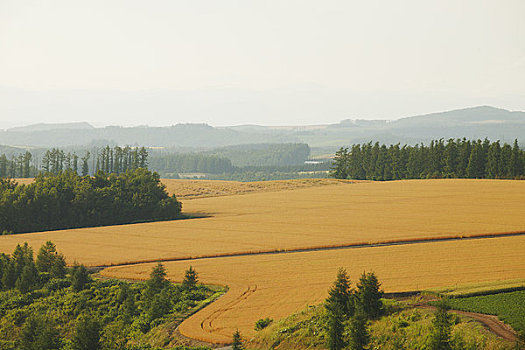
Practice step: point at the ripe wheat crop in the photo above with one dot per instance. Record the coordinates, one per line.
(335, 214)
(280, 284)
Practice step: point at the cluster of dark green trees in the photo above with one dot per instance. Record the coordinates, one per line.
(350, 309)
(56, 160)
(68, 200)
(50, 306)
(115, 160)
(20, 270)
(118, 160)
(459, 158)
(18, 166)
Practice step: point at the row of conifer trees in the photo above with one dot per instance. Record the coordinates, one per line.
(116, 160)
(455, 158)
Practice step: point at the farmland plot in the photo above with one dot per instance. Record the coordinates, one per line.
(308, 215)
(277, 285)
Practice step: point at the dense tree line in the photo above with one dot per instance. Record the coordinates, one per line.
(46, 305)
(233, 159)
(174, 163)
(279, 154)
(458, 158)
(68, 200)
(110, 160)
(118, 160)
(21, 165)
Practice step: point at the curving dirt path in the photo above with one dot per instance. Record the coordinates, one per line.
(289, 281)
(490, 322)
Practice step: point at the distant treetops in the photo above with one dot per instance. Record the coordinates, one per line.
(116, 160)
(67, 200)
(459, 158)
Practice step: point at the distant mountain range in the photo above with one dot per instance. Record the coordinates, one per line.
(50, 127)
(472, 123)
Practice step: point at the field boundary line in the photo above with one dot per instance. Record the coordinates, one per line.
(357, 245)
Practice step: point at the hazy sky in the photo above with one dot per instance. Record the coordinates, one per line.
(266, 62)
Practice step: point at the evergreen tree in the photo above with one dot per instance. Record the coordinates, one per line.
(493, 161)
(143, 158)
(39, 333)
(340, 295)
(334, 335)
(4, 263)
(46, 257)
(516, 161)
(451, 159)
(50, 261)
(475, 168)
(9, 276)
(22, 256)
(358, 332)
(85, 165)
(58, 269)
(27, 279)
(237, 341)
(339, 165)
(369, 295)
(86, 335)
(190, 279)
(160, 305)
(79, 277)
(156, 282)
(440, 338)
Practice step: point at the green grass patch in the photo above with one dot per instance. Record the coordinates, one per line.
(401, 328)
(509, 307)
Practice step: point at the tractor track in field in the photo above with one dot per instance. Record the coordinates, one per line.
(207, 324)
(323, 248)
(490, 322)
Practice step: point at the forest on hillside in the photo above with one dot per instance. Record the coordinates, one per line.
(247, 162)
(47, 305)
(456, 158)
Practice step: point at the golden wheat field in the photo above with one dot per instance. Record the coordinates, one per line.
(187, 189)
(277, 285)
(337, 213)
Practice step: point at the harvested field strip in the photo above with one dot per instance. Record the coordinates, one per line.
(316, 216)
(287, 283)
(324, 248)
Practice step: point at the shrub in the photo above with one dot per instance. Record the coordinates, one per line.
(262, 323)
